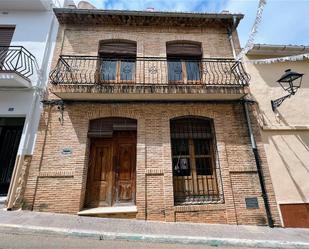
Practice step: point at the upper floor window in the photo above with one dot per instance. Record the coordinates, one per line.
(193, 160)
(184, 62)
(117, 61)
(6, 34)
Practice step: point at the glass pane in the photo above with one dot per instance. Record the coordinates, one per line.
(180, 147)
(193, 70)
(203, 166)
(181, 166)
(181, 160)
(202, 146)
(127, 70)
(108, 70)
(174, 70)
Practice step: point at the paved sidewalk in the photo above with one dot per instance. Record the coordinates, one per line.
(136, 230)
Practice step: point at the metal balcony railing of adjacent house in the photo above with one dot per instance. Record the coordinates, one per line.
(17, 59)
(145, 71)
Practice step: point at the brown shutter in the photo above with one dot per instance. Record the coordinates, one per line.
(118, 48)
(183, 49)
(6, 34)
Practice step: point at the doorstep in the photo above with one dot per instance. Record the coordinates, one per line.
(108, 210)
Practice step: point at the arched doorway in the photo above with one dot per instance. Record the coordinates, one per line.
(112, 162)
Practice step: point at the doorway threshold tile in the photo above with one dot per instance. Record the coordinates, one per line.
(109, 210)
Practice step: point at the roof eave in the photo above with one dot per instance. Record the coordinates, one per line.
(235, 18)
(279, 50)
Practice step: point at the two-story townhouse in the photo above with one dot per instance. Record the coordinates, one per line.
(28, 32)
(145, 119)
(285, 130)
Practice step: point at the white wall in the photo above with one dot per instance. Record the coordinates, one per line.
(36, 31)
(32, 29)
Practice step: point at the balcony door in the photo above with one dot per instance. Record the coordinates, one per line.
(112, 166)
(184, 70)
(184, 62)
(117, 61)
(117, 70)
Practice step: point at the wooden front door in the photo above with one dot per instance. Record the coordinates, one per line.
(111, 172)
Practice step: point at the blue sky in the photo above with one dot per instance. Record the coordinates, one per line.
(284, 21)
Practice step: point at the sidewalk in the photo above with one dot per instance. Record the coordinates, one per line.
(135, 230)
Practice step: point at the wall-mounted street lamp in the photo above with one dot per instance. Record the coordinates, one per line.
(290, 81)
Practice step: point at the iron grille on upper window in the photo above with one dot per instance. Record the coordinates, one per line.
(194, 161)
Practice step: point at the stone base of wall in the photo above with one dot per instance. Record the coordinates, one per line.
(57, 181)
(18, 182)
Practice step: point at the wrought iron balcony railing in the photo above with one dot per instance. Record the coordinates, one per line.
(17, 59)
(146, 71)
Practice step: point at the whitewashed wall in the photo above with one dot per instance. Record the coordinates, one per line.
(36, 31)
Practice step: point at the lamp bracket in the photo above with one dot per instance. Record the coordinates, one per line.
(277, 102)
(60, 106)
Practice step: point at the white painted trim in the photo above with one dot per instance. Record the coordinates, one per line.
(109, 210)
(2, 199)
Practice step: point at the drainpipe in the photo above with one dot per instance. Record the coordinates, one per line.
(258, 166)
(229, 34)
(254, 147)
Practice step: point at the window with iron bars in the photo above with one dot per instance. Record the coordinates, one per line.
(195, 171)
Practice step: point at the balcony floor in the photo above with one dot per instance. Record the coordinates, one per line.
(148, 93)
(11, 79)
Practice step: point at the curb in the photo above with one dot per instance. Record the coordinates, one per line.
(211, 241)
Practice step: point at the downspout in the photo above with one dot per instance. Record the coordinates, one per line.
(258, 166)
(229, 34)
(254, 148)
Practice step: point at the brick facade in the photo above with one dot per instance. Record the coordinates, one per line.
(57, 182)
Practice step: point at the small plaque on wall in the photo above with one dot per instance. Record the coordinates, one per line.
(252, 202)
(66, 151)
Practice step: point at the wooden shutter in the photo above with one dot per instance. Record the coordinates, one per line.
(184, 49)
(6, 34)
(118, 48)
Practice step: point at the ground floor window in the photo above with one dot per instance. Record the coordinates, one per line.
(194, 160)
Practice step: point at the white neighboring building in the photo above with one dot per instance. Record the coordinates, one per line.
(28, 30)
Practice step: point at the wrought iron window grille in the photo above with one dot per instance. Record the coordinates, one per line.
(196, 171)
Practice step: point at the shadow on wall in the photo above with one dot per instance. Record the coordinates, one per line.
(300, 157)
(270, 73)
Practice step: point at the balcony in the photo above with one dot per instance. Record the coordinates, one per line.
(17, 67)
(97, 78)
